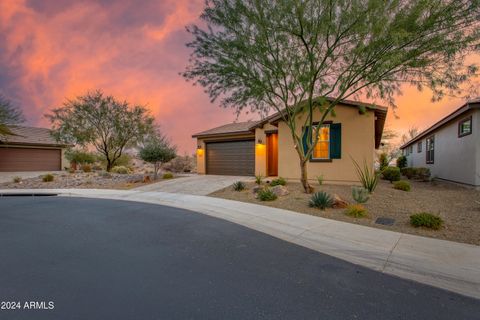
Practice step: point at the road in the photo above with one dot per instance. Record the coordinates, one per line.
(106, 259)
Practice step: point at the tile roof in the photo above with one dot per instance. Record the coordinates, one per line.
(30, 136)
(231, 128)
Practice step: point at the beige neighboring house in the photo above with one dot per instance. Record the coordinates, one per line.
(31, 149)
(266, 147)
(451, 147)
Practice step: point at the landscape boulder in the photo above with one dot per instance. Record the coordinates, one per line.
(338, 202)
(280, 190)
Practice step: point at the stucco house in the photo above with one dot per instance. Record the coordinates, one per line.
(266, 147)
(31, 149)
(451, 147)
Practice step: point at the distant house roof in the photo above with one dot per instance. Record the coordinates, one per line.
(30, 136)
(469, 105)
(231, 128)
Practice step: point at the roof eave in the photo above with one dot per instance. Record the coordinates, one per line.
(211, 135)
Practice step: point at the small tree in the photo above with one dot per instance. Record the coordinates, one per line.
(9, 116)
(103, 122)
(157, 150)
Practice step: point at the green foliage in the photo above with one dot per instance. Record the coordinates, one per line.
(157, 150)
(79, 156)
(258, 179)
(48, 177)
(239, 186)
(402, 185)
(266, 194)
(360, 194)
(367, 176)
(401, 162)
(427, 220)
(356, 211)
(321, 200)
(383, 161)
(102, 122)
(120, 170)
(391, 174)
(420, 173)
(278, 182)
(10, 115)
(320, 179)
(17, 179)
(167, 175)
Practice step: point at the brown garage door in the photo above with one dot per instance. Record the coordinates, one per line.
(23, 159)
(236, 158)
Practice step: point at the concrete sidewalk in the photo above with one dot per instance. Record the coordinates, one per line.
(444, 264)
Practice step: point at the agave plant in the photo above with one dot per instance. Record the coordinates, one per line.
(239, 186)
(321, 200)
(367, 176)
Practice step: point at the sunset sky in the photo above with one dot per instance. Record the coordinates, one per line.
(51, 50)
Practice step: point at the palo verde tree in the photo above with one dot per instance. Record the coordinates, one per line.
(102, 122)
(157, 150)
(297, 57)
(9, 116)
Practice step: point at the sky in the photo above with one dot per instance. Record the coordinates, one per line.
(53, 50)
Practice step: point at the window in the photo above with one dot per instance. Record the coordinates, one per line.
(419, 146)
(465, 127)
(322, 148)
(430, 144)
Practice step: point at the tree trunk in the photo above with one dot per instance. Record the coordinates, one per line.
(155, 168)
(109, 165)
(304, 177)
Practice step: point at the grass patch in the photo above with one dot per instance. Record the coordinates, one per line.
(426, 220)
(266, 195)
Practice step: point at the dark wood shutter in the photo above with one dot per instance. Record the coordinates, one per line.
(336, 141)
(307, 137)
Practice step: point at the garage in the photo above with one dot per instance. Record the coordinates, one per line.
(29, 159)
(236, 158)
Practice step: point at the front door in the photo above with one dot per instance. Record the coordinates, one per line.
(272, 154)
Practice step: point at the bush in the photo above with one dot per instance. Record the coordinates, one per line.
(402, 185)
(258, 179)
(356, 211)
(266, 195)
(321, 200)
(105, 174)
(401, 162)
(239, 186)
(167, 175)
(120, 170)
(278, 182)
(383, 161)
(391, 174)
(408, 172)
(420, 173)
(87, 168)
(367, 176)
(48, 177)
(320, 179)
(79, 156)
(180, 164)
(17, 179)
(125, 160)
(360, 194)
(427, 220)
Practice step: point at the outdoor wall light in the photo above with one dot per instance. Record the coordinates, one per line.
(260, 141)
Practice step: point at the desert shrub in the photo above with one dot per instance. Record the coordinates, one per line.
(360, 194)
(48, 177)
(419, 173)
(402, 162)
(278, 182)
(356, 211)
(383, 161)
(320, 179)
(120, 170)
(321, 200)
(105, 174)
(17, 179)
(408, 172)
(125, 160)
(367, 176)
(427, 220)
(87, 168)
(239, 186)
(180, 164)
(167, 175)
(402, 185)
(266, 195)
(79, 156)
(258, 179)
(391, 174)
(97, 167)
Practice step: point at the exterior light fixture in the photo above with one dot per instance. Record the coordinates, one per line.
(260, 141)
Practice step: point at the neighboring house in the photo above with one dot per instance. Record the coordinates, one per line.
(31, 149)
(266, 147)
(451, 147)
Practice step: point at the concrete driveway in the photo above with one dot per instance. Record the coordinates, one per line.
(8, 176)
(105, 259)
(194, 184)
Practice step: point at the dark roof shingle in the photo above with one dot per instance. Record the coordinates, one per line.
(231, 128)
(30, 136)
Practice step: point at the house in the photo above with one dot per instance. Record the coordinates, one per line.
(451, 147)
(266, 147)
(31, 149)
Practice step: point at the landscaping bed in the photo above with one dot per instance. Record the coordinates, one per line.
(457, 206)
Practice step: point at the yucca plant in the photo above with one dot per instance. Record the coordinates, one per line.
(239, 186)
(367, 176)
(360, 194)
(321, 200)
(266, 195)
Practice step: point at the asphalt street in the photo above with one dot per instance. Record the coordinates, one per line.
(77, 258)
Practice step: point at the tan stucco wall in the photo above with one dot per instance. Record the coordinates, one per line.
(358, 141)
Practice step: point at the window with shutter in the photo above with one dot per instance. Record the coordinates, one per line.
(329, 144)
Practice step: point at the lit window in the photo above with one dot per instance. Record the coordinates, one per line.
(465, 127)
(430, 148)
(322, 148)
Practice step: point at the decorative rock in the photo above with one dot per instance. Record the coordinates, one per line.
(280, 190)
(339, 202)
(256, 189)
